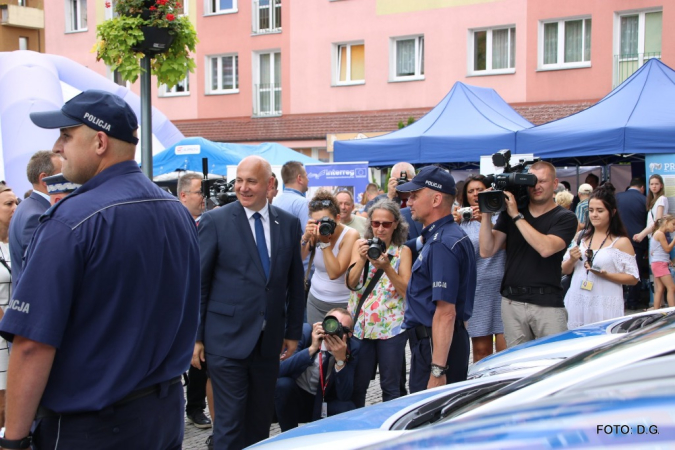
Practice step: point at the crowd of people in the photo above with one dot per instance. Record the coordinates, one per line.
(283, 307)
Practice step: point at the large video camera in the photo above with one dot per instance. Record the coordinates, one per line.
(220, 192)
(513, 179)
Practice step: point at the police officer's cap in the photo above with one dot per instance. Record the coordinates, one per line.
(432, 177)
(99, 110)
(57, 184)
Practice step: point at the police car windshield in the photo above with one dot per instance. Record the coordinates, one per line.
(639, 337)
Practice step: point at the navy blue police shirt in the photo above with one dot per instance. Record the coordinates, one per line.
(111, 280)
(444, 270)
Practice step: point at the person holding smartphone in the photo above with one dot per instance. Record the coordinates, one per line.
(602, 262)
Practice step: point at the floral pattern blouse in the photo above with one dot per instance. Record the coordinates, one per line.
(381, 315)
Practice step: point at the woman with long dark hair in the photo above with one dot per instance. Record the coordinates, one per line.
(485, 325)
(602, 263)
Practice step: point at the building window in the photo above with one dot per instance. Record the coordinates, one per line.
(179, 90)
(76, 15)
(565, 44)
(110, 12)
(266, 16)
(223, 74)
(220, 6)
(639, 39)
(23, 43)
(407, 58)
(267, 84)
(493, 52)
(349, 64)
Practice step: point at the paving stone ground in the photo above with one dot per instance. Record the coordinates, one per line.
(195, 439)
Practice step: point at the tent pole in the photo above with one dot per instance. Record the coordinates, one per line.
(146, 118)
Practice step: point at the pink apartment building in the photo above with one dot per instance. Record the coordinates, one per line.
(295, 71)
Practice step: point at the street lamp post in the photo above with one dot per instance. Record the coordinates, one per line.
(146, 117)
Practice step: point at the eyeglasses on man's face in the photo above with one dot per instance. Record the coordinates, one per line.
(200, 192)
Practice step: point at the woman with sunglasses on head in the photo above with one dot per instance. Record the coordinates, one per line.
(332, 243)
(485, 324)
(603, 261)
(378, 326)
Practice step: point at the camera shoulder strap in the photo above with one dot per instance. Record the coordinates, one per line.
(369, 288)
(309, 266)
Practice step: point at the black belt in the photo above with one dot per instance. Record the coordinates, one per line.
(526, 290)
(43, 412)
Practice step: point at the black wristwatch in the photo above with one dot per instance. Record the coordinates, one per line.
(16, 443)
(438, 371)
(517, 217)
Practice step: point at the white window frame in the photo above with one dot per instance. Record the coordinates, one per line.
(561, 64)
(274, 12)
(23, 43)
(211, 8)
(488, 52)
(256, 82)
(337, 63)
(70, 26)
(209, 73)
(393, 57)
(164, 91)
(641, 35)
(111, 76)
(110, 12)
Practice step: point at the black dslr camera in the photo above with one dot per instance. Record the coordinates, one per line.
(402, 179)
(332, 326)
(220, 192)
(514, 180)
(376, 247)
(326, 226)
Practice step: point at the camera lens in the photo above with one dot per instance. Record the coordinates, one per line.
(325, 229)
(494, 202)
(374, 252)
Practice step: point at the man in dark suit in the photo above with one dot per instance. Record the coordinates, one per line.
(252, 304)
(25, 219)
(307, 380)
(632, 206)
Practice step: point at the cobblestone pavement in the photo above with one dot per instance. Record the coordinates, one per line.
(196, 438)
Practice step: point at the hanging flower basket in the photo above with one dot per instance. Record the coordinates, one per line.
(147, 27)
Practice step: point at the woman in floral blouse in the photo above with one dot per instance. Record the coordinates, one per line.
(378, 326)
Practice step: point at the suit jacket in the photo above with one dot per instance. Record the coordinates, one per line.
(632, 206)
(340, 384)
(235, 294)
(21, 228)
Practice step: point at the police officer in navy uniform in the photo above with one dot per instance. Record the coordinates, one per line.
(442, 286)
(105, 315)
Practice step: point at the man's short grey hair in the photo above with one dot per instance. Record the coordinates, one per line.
(185, 182)
(345, 191)
(41, 162)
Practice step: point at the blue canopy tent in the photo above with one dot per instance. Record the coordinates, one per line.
(187, 154)
(469, 122)
(638, 117)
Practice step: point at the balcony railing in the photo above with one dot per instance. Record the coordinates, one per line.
(626, 65)
(22, 17)
(266, 16)
(267, 100)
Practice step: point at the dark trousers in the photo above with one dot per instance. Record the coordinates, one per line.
(389, 354)
(295, 405)
(151, 422)
(634, 296)
(420, 361)
(243, 393)
(196, 390)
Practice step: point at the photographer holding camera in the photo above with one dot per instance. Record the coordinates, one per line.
(378, 276)
(486, 321)
(331, 243)
(317, 381)
(536, 237)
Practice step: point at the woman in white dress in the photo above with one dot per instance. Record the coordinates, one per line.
(8, 204)
(657, 206)
(602, 263)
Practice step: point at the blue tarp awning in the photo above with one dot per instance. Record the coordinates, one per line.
(187, 154)
(469, 122)
(636, 117)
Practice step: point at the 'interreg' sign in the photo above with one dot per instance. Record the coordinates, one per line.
(336, 177)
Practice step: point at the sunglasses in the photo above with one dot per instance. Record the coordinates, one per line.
(317, 203)
(589, 255)
(376, 224)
